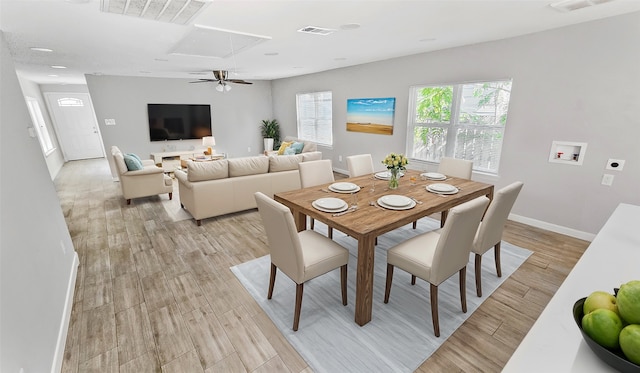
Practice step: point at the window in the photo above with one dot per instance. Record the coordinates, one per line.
(463, 121)
(315, 117)
(40, 126)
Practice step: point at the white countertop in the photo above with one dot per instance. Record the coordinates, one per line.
(554, 343)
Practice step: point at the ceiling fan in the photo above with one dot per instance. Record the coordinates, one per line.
(221, 76)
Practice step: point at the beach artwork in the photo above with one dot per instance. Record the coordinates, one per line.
(371, 115)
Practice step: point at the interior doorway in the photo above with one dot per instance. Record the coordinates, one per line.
(75, 123)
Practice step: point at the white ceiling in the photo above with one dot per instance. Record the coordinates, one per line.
(89, 41)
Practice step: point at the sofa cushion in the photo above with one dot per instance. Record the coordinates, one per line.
(135, 156)
(211, 170)
(289, 151)
(133, 163)
(311, 156)
(248, 166)
(284, 162)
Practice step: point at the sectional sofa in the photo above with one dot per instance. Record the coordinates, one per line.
(214, 188)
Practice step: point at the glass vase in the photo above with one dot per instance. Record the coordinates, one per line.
(393, 180)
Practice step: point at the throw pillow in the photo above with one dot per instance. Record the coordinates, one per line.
(283, 146)
(132, 163)
(297, 147)
(136, 157)
(290, 151)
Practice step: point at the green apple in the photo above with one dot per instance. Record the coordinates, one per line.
(603, 326)
(628, 300)
(599, 299)
(630, 342)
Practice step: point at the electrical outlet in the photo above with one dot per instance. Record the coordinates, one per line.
(607, 179)
(615, 164)
(339, 158)
(249, 150)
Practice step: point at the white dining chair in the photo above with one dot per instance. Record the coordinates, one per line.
(454, 167)
(490, 230)
(361, 164)
(301, 256)
(314, 173)
(437, 255)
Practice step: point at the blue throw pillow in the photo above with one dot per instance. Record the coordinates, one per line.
(135, 156)
(297, 146)
(289, 151)
(133, 164)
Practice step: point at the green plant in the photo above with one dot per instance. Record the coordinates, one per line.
(271, 129)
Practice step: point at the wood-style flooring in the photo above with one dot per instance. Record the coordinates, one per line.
(154, 292)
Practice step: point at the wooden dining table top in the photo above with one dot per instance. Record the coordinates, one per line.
(370, 220)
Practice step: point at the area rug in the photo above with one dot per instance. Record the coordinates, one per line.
(400, 335)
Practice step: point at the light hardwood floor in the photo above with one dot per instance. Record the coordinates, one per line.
(154, 291)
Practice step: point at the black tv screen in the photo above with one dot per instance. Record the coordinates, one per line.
(178, 121)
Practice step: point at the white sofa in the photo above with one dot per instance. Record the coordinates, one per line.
(214, 188)
(149, 181)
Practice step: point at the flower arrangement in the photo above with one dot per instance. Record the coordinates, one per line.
(395, 163)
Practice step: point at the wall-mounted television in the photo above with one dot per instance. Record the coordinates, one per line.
(178, 121)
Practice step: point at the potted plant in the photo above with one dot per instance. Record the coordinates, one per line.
(271, 133)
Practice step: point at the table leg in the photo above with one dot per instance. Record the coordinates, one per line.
(300, 219)
(364, 280)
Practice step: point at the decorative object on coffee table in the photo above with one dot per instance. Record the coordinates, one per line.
(209, 142)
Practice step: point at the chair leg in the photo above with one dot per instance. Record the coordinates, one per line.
(496, 252)
(198, 222)
(478, 266)
(463, 288)
(387, 288)
(443, 217)
(129, 201)
(415, 224)
(433, 290)
(312, 223)
(272, 280)
(296, 314)
(343, 283)
(330, 232)
(413, 279)
(170, 196)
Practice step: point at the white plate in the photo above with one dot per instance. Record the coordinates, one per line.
(411, 205)
(454, 191)
(396, 200)
(324, 209)
(331, 188)
(344, 187)
(330, 203)
(434, 176)
(441, 187)
(386, 175)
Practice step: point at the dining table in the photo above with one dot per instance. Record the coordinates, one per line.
(370, 219)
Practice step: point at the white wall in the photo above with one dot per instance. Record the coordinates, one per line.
(236, 115)
(579, 83)
(37, 260)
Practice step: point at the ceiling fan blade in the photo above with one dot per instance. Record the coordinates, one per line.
(204, 81)
(238, 81)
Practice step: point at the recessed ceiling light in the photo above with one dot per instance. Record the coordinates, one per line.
(271, 54)
(39, 49)
(58, 67)
(350, 26)
(53, 75)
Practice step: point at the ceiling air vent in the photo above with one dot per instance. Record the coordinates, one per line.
(173, 11)
(316, 30)
(571, 5)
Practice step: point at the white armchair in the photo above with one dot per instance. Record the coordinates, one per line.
(148, 181)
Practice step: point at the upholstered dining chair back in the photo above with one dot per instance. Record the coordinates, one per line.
(490, 230)
(361, 164)
(282, 236)
(456, 167)
(314, 173)
(456, 237)
(300, 255)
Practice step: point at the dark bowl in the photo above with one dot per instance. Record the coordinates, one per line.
(615, 358)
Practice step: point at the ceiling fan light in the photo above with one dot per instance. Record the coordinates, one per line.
(220, 87)
(227, 87)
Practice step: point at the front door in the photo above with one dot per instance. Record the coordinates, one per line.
(76, 126)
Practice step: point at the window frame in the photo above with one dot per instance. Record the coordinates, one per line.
(40, 126)
(453, 126)
(318, 109)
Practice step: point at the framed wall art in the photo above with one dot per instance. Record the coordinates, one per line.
(371, 115)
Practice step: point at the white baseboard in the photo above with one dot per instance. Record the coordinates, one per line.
(66, 317)
(553, 228)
